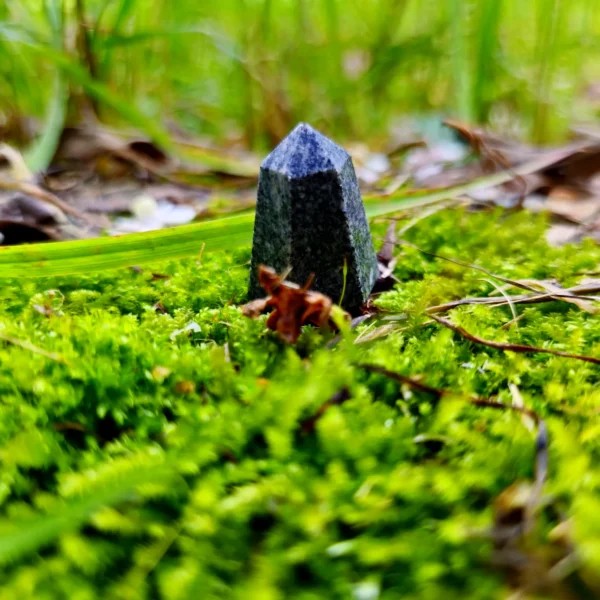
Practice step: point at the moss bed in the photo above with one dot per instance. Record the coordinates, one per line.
(144, 457)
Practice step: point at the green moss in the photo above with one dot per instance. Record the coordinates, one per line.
(158, 460)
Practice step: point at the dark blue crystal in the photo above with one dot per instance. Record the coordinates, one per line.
(310, 217)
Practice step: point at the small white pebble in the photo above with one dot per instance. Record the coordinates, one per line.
(144, 206)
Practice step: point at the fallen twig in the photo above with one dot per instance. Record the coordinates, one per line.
(440, 392)
(461, 263)
(523, 348)
(572, 295)
(541, 440)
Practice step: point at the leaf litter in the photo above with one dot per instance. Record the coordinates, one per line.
(97, 170)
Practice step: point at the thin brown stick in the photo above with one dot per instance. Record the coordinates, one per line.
(440, 392)
(493, 302)
(471, 398)
(70, 426)
(523, 348)
(541, 441)
(468, 265)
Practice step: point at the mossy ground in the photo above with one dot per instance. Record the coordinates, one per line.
(151, 464)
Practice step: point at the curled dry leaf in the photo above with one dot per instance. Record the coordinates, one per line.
(109, 154)
(293, 306)
(563, 182)
(25, 219)
(386, 261)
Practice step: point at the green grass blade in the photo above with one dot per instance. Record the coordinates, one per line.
(104, 94)
(460, 59)
(219, 41)
(20, 538)
(80, 256)
(487, 44)
(63, 258)
(12, 32)
(125, 8)
(40, 155)
(98, 90)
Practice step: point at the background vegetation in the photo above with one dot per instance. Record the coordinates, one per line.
(156, 443)
(252, 68)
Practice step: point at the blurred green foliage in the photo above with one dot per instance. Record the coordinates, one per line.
(154, 460)
(252, 68)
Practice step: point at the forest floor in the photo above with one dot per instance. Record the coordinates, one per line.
(157, 443)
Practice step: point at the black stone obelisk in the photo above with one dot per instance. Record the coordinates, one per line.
(310, 218)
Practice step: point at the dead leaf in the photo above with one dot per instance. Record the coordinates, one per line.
(293, 306)
(47, 311)
(30, 210)
(109, 154)
(31, 189)
(159, 307)
(17, 169)
(563, 233)
(386, 261)
(255, 308)
(191, 327)
(568, 171)
(148, 214)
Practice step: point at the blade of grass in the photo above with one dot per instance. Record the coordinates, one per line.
(215, 160)
(28, 535)
(41, 153)
(106, 96)
(40, 260)
(101, 92)
(487, 45)
(219, 41)
(123, 12)
(64, 258)
(39, 156)
(549, 21)
(460, 60)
